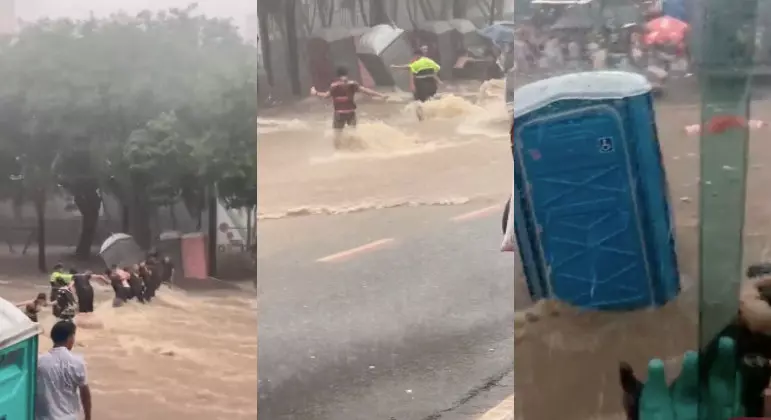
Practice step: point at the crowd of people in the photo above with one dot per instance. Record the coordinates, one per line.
(543, 50)
(72, 291)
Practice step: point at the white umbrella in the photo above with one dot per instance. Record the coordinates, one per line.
(122, 250)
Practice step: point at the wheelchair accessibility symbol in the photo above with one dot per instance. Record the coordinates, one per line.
(605, 144)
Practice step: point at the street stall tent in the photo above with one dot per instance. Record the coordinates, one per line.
(499, 33)
(330, 48)
(575, 18)
(590, 183)
(468, 38)
(18, 362)
(441, 39)
(381, 47)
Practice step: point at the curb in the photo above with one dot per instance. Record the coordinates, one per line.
(503, 411)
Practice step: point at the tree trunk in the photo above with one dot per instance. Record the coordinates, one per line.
(292, 45)
(377, 13)
(125, 220)
(263, 17)
(40, 212)
(249, 228)
(89, 202)
(173, 216)
(212, 230)
(140, 222)
(494, 6)
(459, 8)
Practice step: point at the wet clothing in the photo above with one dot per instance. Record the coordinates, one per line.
(136, 288)
(343, 94)
(31, 310)
(60, 374)
(341, 119)
(64, 304)
(84, 291)
(167, 271)
(147, 275)
(58, 280)
(424, 71)
(119, 287)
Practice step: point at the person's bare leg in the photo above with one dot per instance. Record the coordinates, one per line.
(338, 138)
(419, 111)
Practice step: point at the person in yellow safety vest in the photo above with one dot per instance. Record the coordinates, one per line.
(58, 279)
(425, 77)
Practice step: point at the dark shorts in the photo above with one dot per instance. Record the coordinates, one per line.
(425, 88)
(341, 119)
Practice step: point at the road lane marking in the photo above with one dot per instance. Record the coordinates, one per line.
(476, 213)
(503, 411)
(358, 250)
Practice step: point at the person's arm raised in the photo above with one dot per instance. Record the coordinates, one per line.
(371, 92)
(315, 92)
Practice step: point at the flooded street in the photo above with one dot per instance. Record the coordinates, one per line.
(459, 153)
(181, 357)
(383, 293)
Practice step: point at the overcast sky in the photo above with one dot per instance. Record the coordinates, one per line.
(34, 9)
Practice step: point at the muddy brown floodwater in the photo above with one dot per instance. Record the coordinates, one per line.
(179, 358)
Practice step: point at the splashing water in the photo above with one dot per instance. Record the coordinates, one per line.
(266, 125)
(445, 106)
(179, 357)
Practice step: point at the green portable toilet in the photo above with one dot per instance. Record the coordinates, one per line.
(18, 363)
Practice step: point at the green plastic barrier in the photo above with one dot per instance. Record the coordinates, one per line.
(690, 397)
(725, 75)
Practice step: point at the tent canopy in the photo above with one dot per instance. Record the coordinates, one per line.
(378, 38)
(435, 26)
(499, 34)
(575, 18)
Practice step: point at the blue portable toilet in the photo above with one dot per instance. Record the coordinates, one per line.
(592, 184)
(18, 363)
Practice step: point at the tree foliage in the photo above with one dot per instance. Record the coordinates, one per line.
(150, 109)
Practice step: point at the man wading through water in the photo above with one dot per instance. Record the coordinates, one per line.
(425, 77)
(343, 93)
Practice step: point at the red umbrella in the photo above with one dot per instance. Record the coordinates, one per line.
(665, 30)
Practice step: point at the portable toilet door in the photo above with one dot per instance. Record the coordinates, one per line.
(579, 181)
(18, 363)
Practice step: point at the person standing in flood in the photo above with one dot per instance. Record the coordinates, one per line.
(62, 384)
(147, 274)
(118, 286)
(83, 290)
(343, 93)
(58, 279)
(135, 283)
(425, 77)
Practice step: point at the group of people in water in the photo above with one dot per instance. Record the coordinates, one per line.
(72, 291)
(425, 82)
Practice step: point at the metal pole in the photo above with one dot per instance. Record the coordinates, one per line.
(725, 86)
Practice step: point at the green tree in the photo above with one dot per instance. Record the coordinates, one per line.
(145, 108)
(40, 108)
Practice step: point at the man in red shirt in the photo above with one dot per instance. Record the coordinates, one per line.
(343, 93)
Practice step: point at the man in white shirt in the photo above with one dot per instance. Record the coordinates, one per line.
(61, 379)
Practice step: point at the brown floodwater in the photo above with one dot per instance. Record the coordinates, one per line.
(182, 357)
